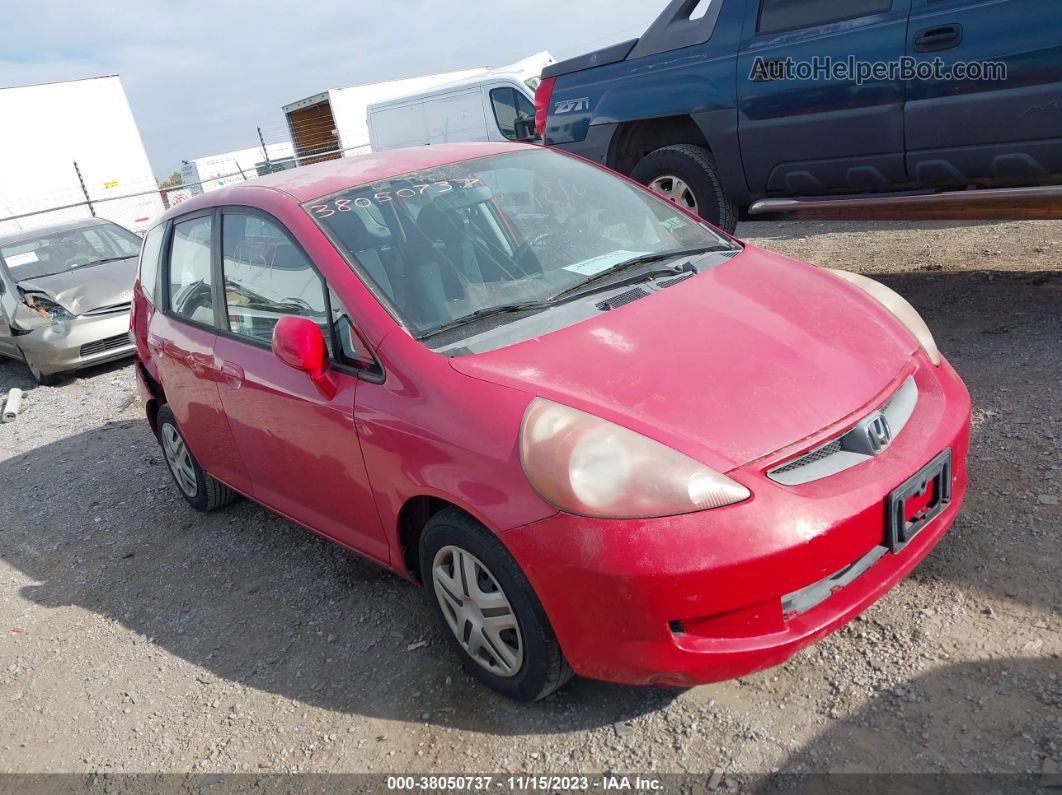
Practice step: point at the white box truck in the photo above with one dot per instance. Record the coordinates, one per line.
(334, 123)
(204, 174)
(45, 129)
(483, 107)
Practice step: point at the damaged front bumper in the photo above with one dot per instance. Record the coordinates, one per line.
(76, 343)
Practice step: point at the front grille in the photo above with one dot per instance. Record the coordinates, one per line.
(845, 451)
(106, 344)
(811, 457)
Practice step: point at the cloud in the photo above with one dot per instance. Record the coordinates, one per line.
(201, 77)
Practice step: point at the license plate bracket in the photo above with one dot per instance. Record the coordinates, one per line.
(900, 528)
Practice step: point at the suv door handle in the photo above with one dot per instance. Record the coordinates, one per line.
(940, 37)
(232, 374)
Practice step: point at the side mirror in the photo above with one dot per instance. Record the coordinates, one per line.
(525, 129)
(299, 343)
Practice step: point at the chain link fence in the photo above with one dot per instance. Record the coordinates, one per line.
(137, 205)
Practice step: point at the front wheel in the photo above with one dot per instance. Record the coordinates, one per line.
(43, 379)
(201, 491)
(488, 609)
(688, 176)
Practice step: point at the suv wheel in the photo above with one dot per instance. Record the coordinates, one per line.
(488, 609)
(688, 176)
(202, 492)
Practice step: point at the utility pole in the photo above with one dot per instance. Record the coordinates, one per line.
(84, 190)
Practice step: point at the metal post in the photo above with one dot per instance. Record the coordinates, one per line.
(265, 151)
(84, 190)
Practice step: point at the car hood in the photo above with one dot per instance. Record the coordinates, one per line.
(727, 366)
(89, 289)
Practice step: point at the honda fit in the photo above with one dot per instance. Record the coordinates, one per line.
(606, 438)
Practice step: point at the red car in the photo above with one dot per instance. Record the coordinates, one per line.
(606, 437)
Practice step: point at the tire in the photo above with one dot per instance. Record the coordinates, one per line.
(42, 379)
(542, 668)
(694, 166)
(208, 493)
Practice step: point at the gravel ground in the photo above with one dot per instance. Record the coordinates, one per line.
(140, 636)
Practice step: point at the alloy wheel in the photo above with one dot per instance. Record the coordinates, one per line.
(477, 611)
(179, 459)
(675, 190)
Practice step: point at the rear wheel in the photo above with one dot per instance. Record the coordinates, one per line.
(488, 609)
(202, 492)
(688, 176)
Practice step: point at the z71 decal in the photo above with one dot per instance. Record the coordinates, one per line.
(570, 105)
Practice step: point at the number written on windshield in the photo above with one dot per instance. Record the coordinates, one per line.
(345, 205)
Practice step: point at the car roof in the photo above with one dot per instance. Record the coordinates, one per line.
(322, 179)
(32, 234)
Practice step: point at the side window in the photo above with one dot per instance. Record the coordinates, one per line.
(266, 278)
(779, 15)
(503, 100)
(149, 262)
(190, 279)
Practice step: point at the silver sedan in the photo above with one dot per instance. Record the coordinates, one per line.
(64, 296)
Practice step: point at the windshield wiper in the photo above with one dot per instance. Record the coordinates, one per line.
(97, 262)
(583, 288)
(490, 311)
(642, 259)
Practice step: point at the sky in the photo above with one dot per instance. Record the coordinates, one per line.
(202, 76)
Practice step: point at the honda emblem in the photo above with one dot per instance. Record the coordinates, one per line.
(879, 434)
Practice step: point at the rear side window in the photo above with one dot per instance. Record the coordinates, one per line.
(779, 15)
(149, 262)
(509, 104)
(190, 280)
(266, 277)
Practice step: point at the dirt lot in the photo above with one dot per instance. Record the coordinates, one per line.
(140, 636)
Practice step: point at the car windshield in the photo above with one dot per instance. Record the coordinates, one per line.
(459, 240)
(57, 252)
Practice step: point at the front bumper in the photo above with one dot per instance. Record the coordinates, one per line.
(691, 599)
(81, 342)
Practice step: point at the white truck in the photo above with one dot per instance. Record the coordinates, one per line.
(204, 174)
(483, 107)
(46, 129)
(334, 123)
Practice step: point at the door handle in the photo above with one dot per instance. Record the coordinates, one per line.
(937, 38)
(232, 374)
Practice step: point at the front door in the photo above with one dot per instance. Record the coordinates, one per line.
(804, 128)
(182, 339)
(301, 448)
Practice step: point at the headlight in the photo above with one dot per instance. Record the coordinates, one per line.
(47, 308)
(898, 306)
(586, 465)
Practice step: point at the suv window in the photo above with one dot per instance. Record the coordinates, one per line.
(190, 278)
(509, 104)
(266, 277)
(779, 15)
(149, 262)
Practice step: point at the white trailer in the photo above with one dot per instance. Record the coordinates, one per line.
(480, 108)
(46, 129)
(334, 123)
(204, 174)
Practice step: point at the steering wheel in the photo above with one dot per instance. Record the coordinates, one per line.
(526, 249)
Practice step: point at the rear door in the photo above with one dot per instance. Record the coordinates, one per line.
(301, 449)
(821, 130)
(182, 338)
(977, 127)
